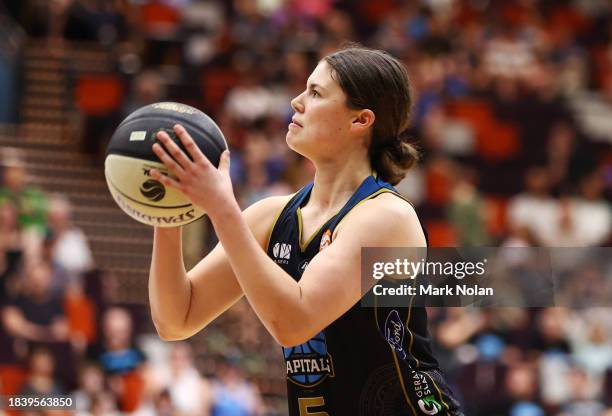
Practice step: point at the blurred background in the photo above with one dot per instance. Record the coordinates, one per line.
(513, 114)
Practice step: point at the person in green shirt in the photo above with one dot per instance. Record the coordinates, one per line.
(30, 202)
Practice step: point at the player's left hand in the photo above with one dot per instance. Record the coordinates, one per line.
(208, 188)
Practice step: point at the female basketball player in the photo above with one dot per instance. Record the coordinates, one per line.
(297, 258)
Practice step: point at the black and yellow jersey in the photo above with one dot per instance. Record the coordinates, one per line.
(370, 361)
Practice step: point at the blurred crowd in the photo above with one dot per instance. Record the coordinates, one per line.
(513, 115)
(61, 332)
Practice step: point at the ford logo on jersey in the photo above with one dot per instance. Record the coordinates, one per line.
(394, 333)
(309, 364)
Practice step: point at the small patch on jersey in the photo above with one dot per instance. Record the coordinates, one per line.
(281, 252)
(325, 239)
(309, 364)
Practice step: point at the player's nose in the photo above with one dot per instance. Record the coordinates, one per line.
(297, 104)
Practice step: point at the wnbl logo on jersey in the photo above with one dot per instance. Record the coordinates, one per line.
(281, 252)
(309, 364)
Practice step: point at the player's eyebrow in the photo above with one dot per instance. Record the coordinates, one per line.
(314, 85)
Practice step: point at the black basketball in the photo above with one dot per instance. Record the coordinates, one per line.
(130, 158)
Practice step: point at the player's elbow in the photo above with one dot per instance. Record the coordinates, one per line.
(171, 336)
(289, 340)
(167, 333)
(290, 336)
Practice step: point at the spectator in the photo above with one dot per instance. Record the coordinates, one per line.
(121, 361)
(10, 235)
(535, 209)
(467, 211)
(104, 404)
(521, 384)
(582, 399)
(91, 384)
(593, 214)
(70, 249)
(41, 381)
(36, 313)
(233, 394)
(188, 392)
(30, 202)
(118, 353)
(148, 88)
(590, 336)
(10, 249)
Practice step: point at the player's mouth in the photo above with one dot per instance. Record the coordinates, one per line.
(295, 123)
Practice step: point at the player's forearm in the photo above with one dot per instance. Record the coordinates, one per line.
(169, 288)
(273, 294)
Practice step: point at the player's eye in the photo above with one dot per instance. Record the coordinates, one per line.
(314, 93)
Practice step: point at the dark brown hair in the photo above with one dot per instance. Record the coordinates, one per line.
(375, 80)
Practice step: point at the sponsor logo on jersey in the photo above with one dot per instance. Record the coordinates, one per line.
(427, 402)
(281, 252)
(429, 405)
(325, 239)
(309, 364)
(394, 332)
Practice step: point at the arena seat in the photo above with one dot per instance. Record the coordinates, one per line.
(133, 390)
(81, 316)
(157, 15)
(495, 140)
(12, 378)
(496, 209)
(216, 83)
(441, 234)
(99, 95)
(437, 183)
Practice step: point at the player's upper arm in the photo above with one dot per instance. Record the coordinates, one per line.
(214, 287)
(331, 284)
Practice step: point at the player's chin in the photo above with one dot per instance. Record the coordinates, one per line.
(291, 138)
(296, 143)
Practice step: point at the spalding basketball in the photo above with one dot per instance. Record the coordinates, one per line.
(130, 158)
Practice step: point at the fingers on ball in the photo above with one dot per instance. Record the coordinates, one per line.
(177, 154)
(167, 160)
(189, 144)
(165, 179)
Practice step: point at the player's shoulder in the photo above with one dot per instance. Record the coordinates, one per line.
(262, 215)
(387, 206)
(268, 206)
(394, 219)
(392, 200)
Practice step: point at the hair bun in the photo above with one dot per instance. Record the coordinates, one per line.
(398, 156)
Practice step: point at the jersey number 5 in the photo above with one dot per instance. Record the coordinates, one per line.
(306, 402)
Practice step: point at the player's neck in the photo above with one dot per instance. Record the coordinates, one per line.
(334, 184)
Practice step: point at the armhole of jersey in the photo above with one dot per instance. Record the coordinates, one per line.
(371, 196)
(276, 217)
(374, 195)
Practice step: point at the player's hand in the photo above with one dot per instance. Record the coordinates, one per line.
(209, 188)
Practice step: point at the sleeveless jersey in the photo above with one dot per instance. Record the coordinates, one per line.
(363, 363)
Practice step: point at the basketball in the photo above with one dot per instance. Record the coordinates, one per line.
(130, 158)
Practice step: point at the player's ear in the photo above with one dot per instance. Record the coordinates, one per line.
(363, 119)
